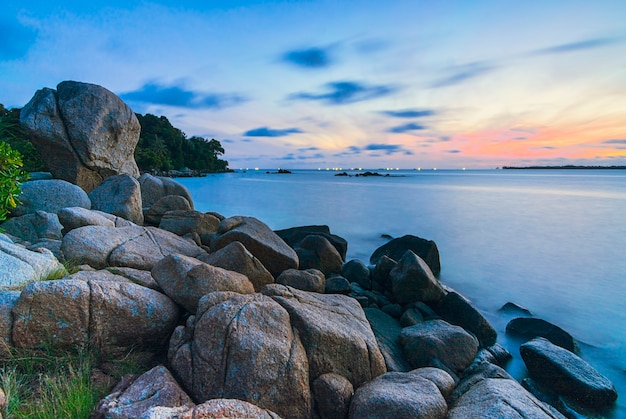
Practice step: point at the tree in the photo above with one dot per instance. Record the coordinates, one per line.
(13, 134)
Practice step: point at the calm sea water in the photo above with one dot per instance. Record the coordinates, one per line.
(553, 241)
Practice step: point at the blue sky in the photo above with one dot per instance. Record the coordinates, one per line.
(308, 84)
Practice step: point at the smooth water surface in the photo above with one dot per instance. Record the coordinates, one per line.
(553, 241)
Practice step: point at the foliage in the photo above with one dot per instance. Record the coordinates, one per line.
(12, 133)
(164, 147)
(11, 177)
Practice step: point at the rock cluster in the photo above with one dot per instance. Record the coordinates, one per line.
(256, 323)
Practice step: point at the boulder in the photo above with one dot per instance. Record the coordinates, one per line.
(221, 409)
(235, 257)
(315, 252)
(332, 393)
(334, 331)
(133, 247)
(436, 342)
(529, 328)
(54, 246)
(183, 222)
(83, 132)
(456, 309)
(50, 196)
(412, 280)
(567, 374)
(356, 271)
(489, 392)
(293, 236)
(114, 316)
(310, 280)
(396, 248)
(260, 240)
(185, 280)
(75, 217)
(7, 302)
(381, 280)
(387, 331)
(243, 347)
(167, 203)
(411, 316)
(336, 284)
(399, 395)
(119, 195)
(156, 387)
(20, 266)
(35, 226)
(153, 188)
(138, 276)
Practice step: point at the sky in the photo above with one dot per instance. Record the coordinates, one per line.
(345, 84)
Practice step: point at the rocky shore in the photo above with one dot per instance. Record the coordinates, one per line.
(251, 322)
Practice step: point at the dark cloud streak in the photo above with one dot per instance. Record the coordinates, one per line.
(314, 57)
(412, 126)
(176, 95)
(461, 74)
(409, 113)
(578, 46)
(269, 132)
(344, 92)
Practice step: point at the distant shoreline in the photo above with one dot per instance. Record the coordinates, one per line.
(569, 167)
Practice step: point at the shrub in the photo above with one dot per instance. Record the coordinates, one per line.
(11, 177)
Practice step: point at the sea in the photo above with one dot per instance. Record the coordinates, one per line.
(552, 241)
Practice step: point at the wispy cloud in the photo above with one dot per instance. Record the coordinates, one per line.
(344, 92)
(463, 73)
(388, 148)
(409, 113)
(15, 39)
(616, 142)
(412, 126)
(314, 57)
(177, 95)
(578, 46)
(306, 149)
(269, 132)
(453, 151)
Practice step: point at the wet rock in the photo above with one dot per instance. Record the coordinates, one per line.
(387, 331)
(412, 280)
(293, 236)
(356, 271)
(396, 248)
(529, 327)
(456, 309)
(316, 252)
(336, 284)
(567, 373)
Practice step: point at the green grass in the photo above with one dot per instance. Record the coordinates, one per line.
(47, 383)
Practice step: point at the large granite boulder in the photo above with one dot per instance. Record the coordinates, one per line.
(7, 302)
(153, 214)
(316, 252)
(133, 247)
(310, 280)
(456, 309)
(243, 347)
(114, 316)
(84, 133)
(156, 387)
(387, 331)
(293, 236)
(185, 280)
(332, 393)
(402, 395)
(530, 327)
(153, 188)
(119, 195)
(396, 248)
(182, 222)
(20, 266)
(335, 333)
(412, 280)
(567, 374)
(260, 240)
(75, 217)
(35, 226)
(487, 391)
(356, 271)
(50, 196)
(235, 257)
(212, 409)
(438, 343)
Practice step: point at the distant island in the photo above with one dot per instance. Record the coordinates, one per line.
(569, 166)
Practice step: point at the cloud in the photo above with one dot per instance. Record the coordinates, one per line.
(292, 156)
(176, 95)
(616, 142)
(453, 151)
(406, 128)
(344, 92)
(314, 57)
(578, 46)
(460, 74)
(15, 39)
(269, 132)
(409, 113)
(304, 150)
(388, 148)
(350, 151)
